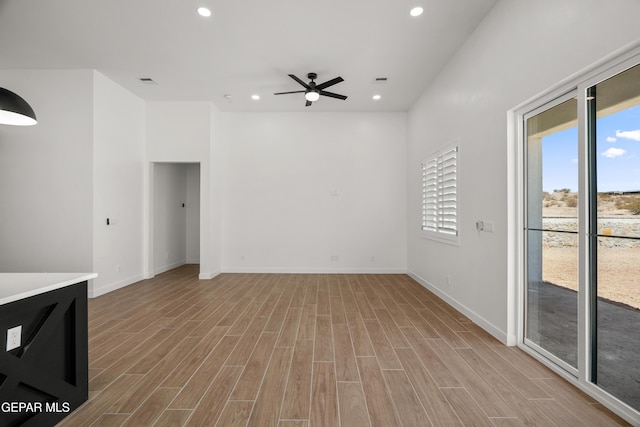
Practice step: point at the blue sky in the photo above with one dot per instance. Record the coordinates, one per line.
(618, 148)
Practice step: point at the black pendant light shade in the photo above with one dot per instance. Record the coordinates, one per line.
(14, 110)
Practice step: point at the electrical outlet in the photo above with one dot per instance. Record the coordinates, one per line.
(14, 337)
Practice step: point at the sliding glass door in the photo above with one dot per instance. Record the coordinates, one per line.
(614, 120)
(552, 231)
(582, 233)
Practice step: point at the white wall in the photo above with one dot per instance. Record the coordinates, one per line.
(46, 174)
(182, 132)
(193, 213)
(169, 216)
(213, 210)
(118, 162)
(519, 50)
(299, 188)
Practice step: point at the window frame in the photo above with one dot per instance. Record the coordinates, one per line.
(439, 202)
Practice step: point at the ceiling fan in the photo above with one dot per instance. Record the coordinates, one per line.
(313, 91)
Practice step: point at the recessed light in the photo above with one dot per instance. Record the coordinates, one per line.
(203, 11)
(416, 11)
(376, 97)
(255, 97)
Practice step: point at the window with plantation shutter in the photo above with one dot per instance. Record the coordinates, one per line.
(440, 195)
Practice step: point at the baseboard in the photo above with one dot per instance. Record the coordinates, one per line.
(168, 267)
(208, 276)
(96, 292)
(289, 270)
(477, 319)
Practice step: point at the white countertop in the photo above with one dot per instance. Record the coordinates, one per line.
(17, 286)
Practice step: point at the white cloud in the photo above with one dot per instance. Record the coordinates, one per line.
(614, 152)
(612, 139)
(629, 134)
(574, 160)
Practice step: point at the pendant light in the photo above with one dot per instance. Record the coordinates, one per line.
(14, 110)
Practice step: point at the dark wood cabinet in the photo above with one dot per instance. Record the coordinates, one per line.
(46, 377)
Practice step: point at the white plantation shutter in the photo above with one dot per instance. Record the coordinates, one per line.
(440, 193)
(430, 195)
(448, 202)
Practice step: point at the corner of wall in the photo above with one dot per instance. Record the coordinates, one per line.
(96, 292)
(208, 276)
(499, 334)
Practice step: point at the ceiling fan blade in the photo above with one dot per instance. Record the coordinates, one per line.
(295, 91)
(308, 103)
(329, 83)
(333, 95)
(299, 81)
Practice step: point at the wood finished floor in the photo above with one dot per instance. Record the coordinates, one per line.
(289, 350)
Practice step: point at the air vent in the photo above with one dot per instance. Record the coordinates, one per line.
(147, 81)
(380, 80)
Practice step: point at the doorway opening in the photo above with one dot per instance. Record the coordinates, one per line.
(174, 214)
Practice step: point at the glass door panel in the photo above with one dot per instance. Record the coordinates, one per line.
(552, 232)
(615, 125)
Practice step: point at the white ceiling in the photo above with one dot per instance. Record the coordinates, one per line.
(247, 47)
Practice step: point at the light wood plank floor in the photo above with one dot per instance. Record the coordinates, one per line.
(289, 350)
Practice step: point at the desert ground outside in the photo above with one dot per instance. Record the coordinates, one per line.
(618, 259)
(619, 274)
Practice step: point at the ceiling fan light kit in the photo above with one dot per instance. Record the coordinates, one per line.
(312, 91)
(312, 96)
